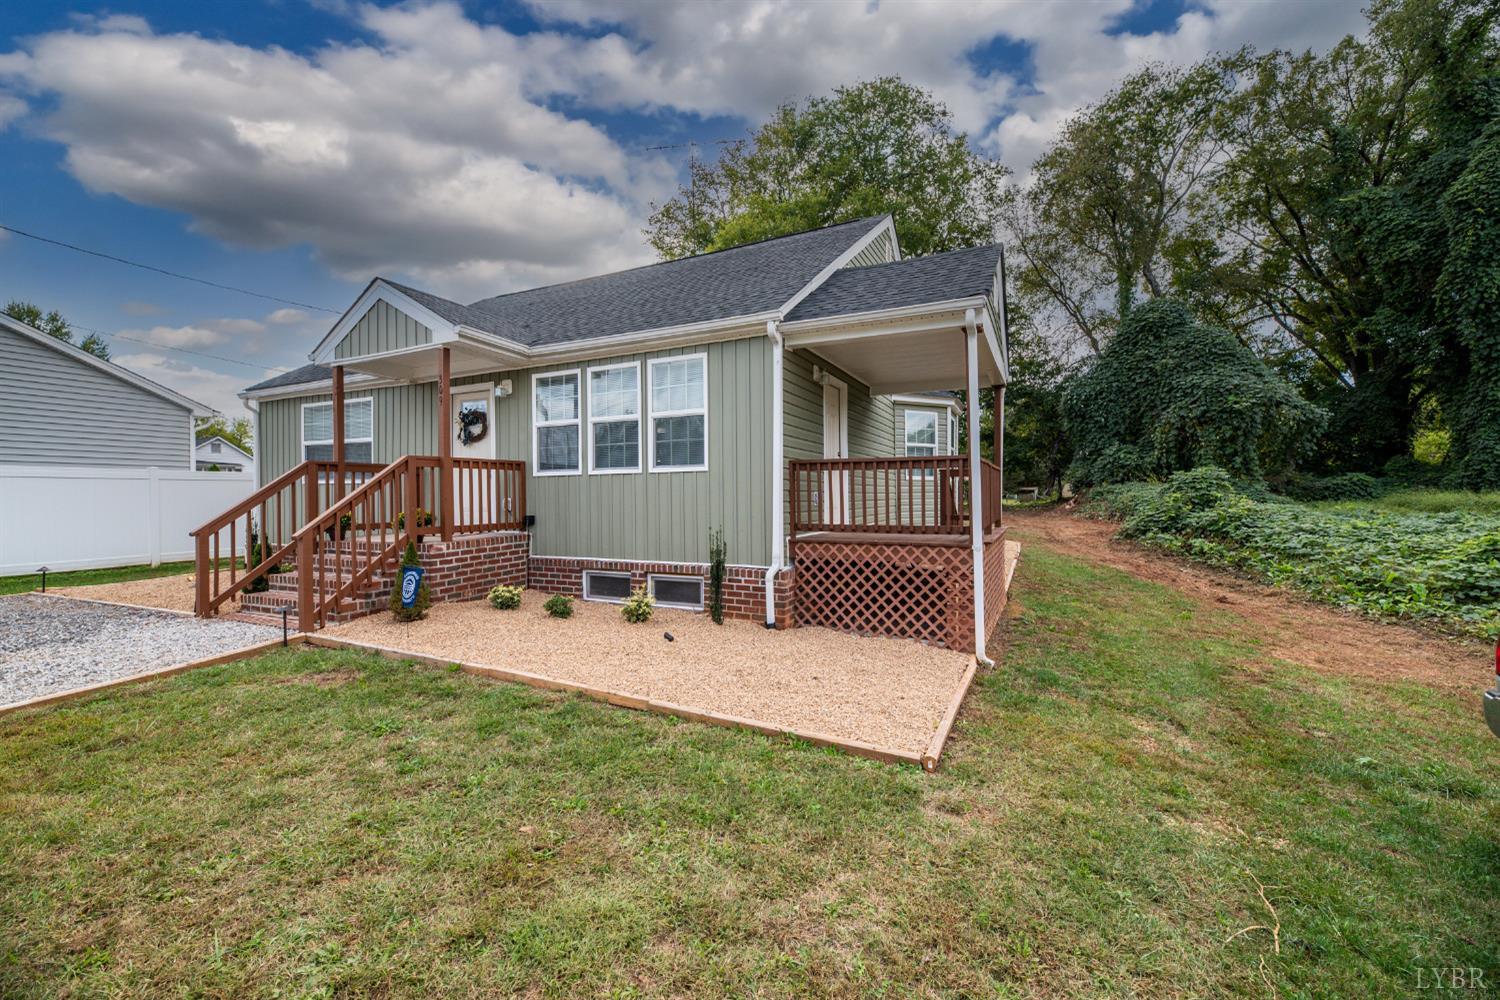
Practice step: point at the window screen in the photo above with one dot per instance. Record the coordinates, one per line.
(606, 586)
(677, 591)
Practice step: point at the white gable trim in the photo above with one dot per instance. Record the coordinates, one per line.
(378, 291)
(930, 402)
(885, 225)
(124, 374)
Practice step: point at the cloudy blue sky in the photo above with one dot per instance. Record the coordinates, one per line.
(298, 147)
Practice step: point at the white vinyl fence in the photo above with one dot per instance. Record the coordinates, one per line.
(79, 517)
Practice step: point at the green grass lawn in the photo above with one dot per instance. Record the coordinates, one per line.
(315, 823)
(1421, 502)
(82, 577)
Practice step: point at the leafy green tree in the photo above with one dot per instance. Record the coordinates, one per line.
(238, 432)
(1169, 393)
(873, 148)
(1112, 194)
(1329, 206)
(53, 324)
(1037, 447)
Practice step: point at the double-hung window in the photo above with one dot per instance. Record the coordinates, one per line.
(359, 431)
(555, 447)
(921, 433)
(615, 418)
(679, 413)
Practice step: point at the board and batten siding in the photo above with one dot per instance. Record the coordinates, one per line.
(383, 328)
(657, 516)
(116, 424)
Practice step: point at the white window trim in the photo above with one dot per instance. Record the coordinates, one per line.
(604, 572)
(906, 429)
(368, 401)
(537, 425)
(952, 433)
(702, 590)
(651, 367)
(639, 418)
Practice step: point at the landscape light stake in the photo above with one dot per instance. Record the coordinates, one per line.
(43, 570)
(284, 610)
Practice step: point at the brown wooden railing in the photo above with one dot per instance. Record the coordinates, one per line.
(898, 495)
(346, 534)
(225, 546)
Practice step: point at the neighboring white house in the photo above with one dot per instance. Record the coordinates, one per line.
(215, 454)
(96, 461)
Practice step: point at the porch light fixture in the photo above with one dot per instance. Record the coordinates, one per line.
(503, 388)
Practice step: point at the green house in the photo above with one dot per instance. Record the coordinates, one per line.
(800, 393)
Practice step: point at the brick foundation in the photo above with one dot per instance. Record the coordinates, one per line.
(466, 568)
(744, 586)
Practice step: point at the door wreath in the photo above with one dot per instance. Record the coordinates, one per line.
(473, 424)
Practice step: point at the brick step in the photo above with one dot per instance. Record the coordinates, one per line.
(381, 580)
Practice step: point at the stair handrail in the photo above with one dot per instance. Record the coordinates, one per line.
(395, 484)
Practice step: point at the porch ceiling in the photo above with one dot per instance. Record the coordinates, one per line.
(419, 364)
(911, 355)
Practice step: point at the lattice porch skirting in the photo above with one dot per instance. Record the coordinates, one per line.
(895, 588)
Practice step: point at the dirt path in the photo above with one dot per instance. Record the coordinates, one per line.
(1294, 629)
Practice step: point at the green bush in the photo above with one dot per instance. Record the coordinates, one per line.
(1442, 567)
(505, 598)
(1348, 486)
(424, 519)
(418, 609)
(559, 606)
(639, 607)
(717, 563)
(252, 559)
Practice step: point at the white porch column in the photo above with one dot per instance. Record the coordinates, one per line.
(976, 481)
(778, 470)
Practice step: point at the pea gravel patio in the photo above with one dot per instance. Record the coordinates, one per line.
(49, 645)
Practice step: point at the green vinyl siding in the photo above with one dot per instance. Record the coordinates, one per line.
(659, 516)
(882, 250)
(383, 328)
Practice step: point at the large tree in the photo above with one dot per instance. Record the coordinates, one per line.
(868, 149)
(53, 324)
(1097, 224)
(1330, 207)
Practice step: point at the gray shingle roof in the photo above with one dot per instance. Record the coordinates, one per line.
(740, 281)
(935, 278)
(307, 373)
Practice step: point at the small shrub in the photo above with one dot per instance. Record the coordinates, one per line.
(424, 519)
(559, 606)
(717, 559)
(639, 607)
(505, 598)
(252, 559)
(418, 609)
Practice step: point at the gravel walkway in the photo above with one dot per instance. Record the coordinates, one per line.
(49, 645)
(174, 593)
(888, 692)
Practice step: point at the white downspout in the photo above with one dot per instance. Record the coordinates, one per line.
(254, 408)
(976, 489)
(778, 470)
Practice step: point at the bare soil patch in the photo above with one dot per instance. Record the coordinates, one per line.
(1292, 628)
(172, 593)
(887, 692)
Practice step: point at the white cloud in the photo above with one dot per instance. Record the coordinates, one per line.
(135, 307)
(457, 153)
(11, 108)
(215, 389)
(287, 317)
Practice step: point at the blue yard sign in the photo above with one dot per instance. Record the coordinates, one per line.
(411, 579)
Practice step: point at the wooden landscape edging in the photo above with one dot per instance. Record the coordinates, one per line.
(151, 675)
(929, 760)
(61, 596)
(619, 698)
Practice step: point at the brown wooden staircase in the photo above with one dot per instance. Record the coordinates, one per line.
(334, 538)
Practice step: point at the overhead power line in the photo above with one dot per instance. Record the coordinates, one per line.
(161, 270)
(180, 350)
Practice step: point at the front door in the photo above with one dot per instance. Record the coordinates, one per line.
(471, 425)
(836, 445)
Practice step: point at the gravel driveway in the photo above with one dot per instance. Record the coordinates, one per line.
(49, 645)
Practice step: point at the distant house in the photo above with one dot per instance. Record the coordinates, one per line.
(216, 454)
(60, 405)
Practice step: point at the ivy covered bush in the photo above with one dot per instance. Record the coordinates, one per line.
(1169, 393)
(1443, 568)
(1349, 486)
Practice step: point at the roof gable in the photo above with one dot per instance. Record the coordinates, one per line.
(937, 277)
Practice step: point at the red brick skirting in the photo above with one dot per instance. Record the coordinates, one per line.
(744, 586)
(467, 567)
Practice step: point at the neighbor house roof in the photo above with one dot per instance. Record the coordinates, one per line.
(938, 277)
(124, 374)
(297, 376)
